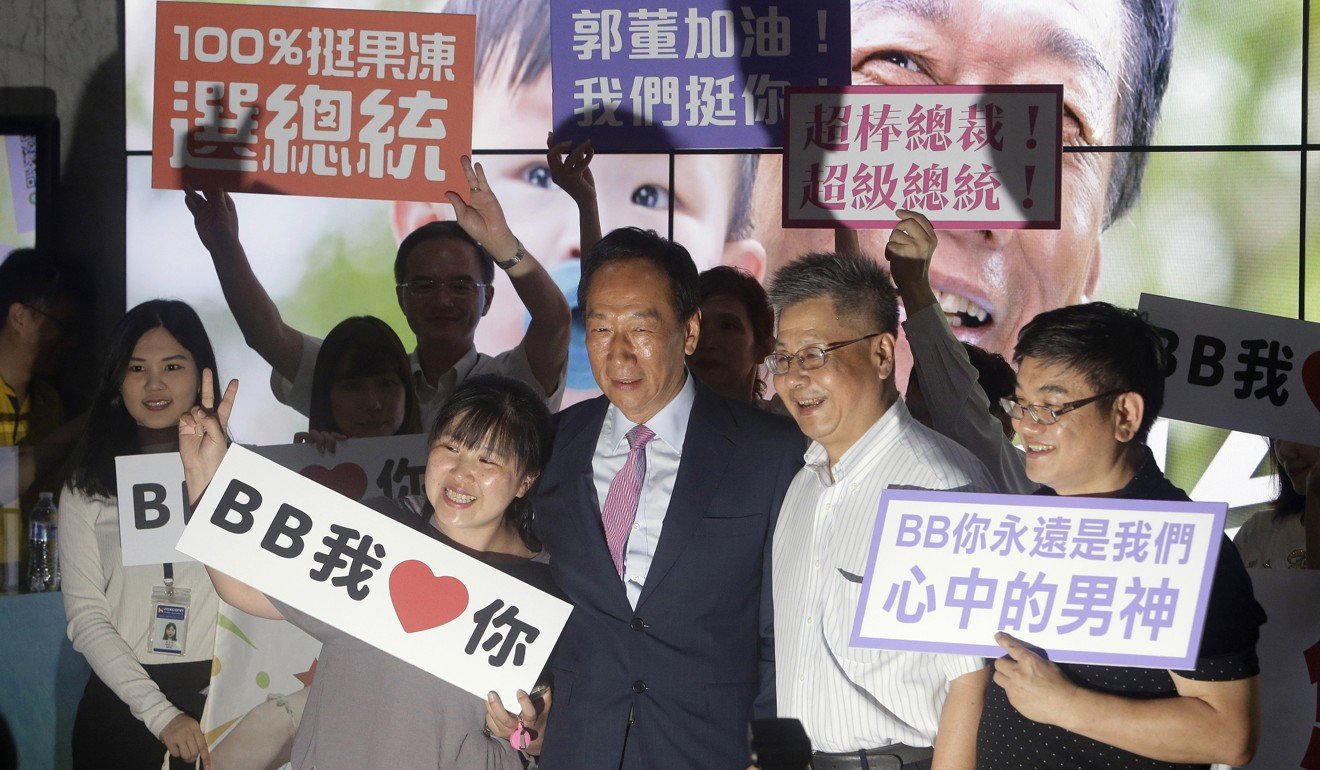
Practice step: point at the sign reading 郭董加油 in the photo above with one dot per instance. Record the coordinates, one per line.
(374, 578)
(968, 157)
(702, 74)
(1240, 370)
(312, 101)
(1088, 580)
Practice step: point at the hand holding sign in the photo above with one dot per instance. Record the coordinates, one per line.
(503, 723)
(1034, 685)
(215, 218)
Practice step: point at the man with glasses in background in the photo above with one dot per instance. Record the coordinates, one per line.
(1090, 384)
(833, 367)
(443, 272)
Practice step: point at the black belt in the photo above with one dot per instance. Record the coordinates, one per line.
(895, 757)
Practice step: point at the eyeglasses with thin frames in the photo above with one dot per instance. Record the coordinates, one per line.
(458, 288)
(808, 358)
(1048, 415)
(62, 324)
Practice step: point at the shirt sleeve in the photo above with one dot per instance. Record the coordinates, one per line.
(514, 363)
(92, 619)
(1232, 624)
(958, 407)
(298, 393)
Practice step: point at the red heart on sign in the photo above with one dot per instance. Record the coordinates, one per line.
(347, 479)
(1311, 377)
(422, 600)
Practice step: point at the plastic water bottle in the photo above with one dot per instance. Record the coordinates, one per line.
(43, 546)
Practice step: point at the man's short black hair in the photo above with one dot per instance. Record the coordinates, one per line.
(1148, 57)
(34, 278)
(433, 230)
(1114, 348)
(669, 257)
(857, 285)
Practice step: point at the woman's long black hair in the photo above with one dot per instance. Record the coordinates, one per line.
(361, 346)
(111, 431)
(506, 414)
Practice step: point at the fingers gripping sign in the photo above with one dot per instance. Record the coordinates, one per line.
(1035, 686)
(480, 214)
(215, 218)
(911, 245)
(525, 731)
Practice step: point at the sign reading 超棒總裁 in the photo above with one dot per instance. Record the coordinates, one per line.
(374, 578)
(968, 157)
(1088, 580)
(1240, 370)
(704, 74)
(312, 101)
(153, 504)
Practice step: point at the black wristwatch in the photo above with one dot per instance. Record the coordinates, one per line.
(514, 260)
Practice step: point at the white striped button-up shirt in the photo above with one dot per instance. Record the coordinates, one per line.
(854, 698)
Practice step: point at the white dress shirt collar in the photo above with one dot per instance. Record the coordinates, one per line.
(861, 455)
(669, 424)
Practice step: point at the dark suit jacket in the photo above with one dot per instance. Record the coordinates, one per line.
(671, 684)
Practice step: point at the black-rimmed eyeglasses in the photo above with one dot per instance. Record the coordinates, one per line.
(1048, 415)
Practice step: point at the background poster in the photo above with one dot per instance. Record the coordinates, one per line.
(1217, 219)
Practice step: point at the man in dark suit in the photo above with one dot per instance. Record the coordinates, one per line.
(657, 508)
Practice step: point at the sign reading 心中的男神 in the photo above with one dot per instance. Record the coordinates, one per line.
(312, 101)
(968, 157)
(373, 578)
(700, 74)
(153, 504)
(1088, 580)
(1235, 369)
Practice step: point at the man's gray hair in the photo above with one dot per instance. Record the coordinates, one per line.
(858, 286)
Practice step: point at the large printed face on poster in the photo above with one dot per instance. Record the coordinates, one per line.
(1212, 226)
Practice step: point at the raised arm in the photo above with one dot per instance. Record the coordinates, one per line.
(258, 318)
(570, 168)
(546, 340)
(203, 442)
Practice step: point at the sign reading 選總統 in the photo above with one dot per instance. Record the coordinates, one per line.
(312, 101)
(1088, 580)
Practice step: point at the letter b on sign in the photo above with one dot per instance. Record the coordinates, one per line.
(149, 508)
(241, 509)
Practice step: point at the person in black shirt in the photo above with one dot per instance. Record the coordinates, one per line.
(1090, 383)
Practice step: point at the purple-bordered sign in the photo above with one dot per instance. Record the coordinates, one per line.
(968, 157)
(700, 74)
(1088, 580)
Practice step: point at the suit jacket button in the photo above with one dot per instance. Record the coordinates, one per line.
(637, 624)
(639, 686)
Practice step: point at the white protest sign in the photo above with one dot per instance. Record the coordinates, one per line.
(1088, 580)
(374, 578)
(153, 504)
(967, 156)
(1240, 370)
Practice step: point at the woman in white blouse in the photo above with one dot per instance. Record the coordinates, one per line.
(145, 693)
(1283, 536)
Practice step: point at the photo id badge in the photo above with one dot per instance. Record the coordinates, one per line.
(169, 619)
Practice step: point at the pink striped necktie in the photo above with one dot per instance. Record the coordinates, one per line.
(620, 507)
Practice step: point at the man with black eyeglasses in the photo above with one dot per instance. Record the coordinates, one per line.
(443, 273)
(833, 367)
(1090, 384)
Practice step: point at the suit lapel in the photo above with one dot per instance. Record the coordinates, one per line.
(707, 450)
(579, 450)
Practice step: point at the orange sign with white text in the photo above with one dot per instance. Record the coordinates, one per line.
(312, 101)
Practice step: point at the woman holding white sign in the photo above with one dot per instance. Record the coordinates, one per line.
(368, 708)
(146, 631)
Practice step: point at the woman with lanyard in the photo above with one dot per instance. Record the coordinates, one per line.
(145, 693)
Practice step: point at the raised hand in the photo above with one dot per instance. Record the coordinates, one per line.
(215, 218)
(203, 439)
(325, 441)
(481, 215)
(570, 168)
